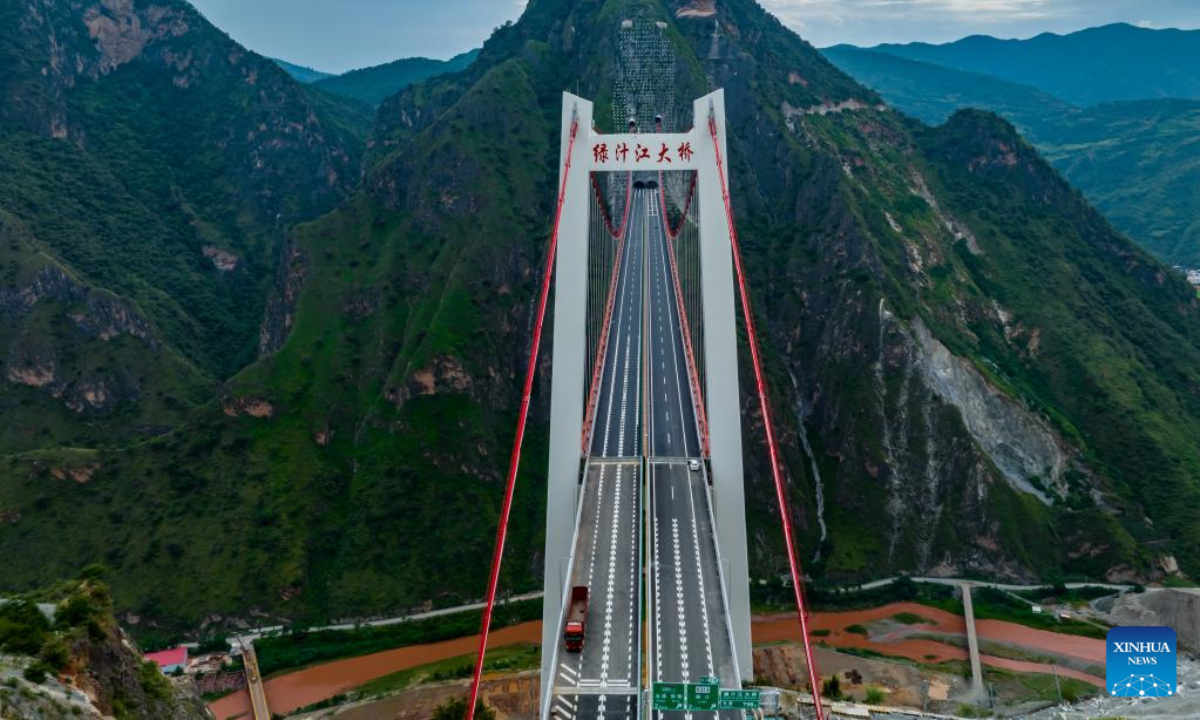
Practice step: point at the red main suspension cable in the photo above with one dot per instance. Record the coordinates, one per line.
(687, 205)
(604, 212)
(684, 322)
(602, 346)
(772, 449)
(515, 461)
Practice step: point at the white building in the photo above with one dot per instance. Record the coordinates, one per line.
(1193, 277)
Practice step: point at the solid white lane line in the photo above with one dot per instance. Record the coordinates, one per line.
(657, 597)
(676, 322)
(615, 348)
(595, 535)
(700, 579)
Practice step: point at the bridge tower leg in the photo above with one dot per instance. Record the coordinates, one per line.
(721, 369)
(568, 374)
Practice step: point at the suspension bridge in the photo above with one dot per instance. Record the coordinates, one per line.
(645, 501)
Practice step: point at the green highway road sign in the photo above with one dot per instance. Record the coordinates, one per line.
(738, 700)
(702, 697)
(670, 696)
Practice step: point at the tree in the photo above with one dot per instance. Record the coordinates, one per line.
(456, 709)
(832, 688)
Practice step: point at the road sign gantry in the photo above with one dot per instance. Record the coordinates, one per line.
(704, 695)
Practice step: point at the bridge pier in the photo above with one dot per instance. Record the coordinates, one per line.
(721, 392)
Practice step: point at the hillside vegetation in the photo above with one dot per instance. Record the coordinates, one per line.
(1138, 161)
(151, 169)
(375, 84)
(63, 655)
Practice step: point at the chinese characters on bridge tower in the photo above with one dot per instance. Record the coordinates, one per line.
(620, 153)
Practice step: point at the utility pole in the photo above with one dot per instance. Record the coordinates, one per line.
(1056, 685)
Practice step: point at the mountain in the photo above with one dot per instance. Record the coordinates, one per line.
(932, 93)
(302, 73)
(1137, 161)
(374, 84)
(151, 168)
(64, 655)
(973, 373)
(1135, 63)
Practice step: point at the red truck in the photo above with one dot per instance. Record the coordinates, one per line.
(576, 624)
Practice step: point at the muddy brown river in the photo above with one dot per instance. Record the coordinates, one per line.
(293, 690)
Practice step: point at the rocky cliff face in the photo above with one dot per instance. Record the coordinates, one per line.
(1176, 609)
(86, 667)
(81, 365)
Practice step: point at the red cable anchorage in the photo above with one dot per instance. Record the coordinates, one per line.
(684, 322)
(602, 346)
(764, 406)
(515, 461)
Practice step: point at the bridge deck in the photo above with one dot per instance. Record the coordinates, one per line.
(644, 411)
(691, 637)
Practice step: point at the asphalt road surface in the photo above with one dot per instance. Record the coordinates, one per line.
(691, 637)
(602, 680)
(645, 415)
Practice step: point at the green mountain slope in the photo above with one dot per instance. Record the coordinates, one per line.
(374, 84)
(991, 379)
(149, 161)
(1137, 161)
(932, 93)
(302, 73)
(1135, 63)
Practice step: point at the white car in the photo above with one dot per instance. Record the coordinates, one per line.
(694, 465)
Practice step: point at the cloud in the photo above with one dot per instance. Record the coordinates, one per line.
(842, 12)
(867, 22)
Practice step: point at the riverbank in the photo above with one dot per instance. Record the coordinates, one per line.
(291, 691)
(911, 631)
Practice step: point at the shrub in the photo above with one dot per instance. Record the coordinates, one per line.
(832, 688)
(36, 673)
(456, 709)
(23, 628)
(55, 653)
(212, 645)
(874, 695)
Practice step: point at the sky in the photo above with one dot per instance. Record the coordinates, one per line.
(340, 35)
